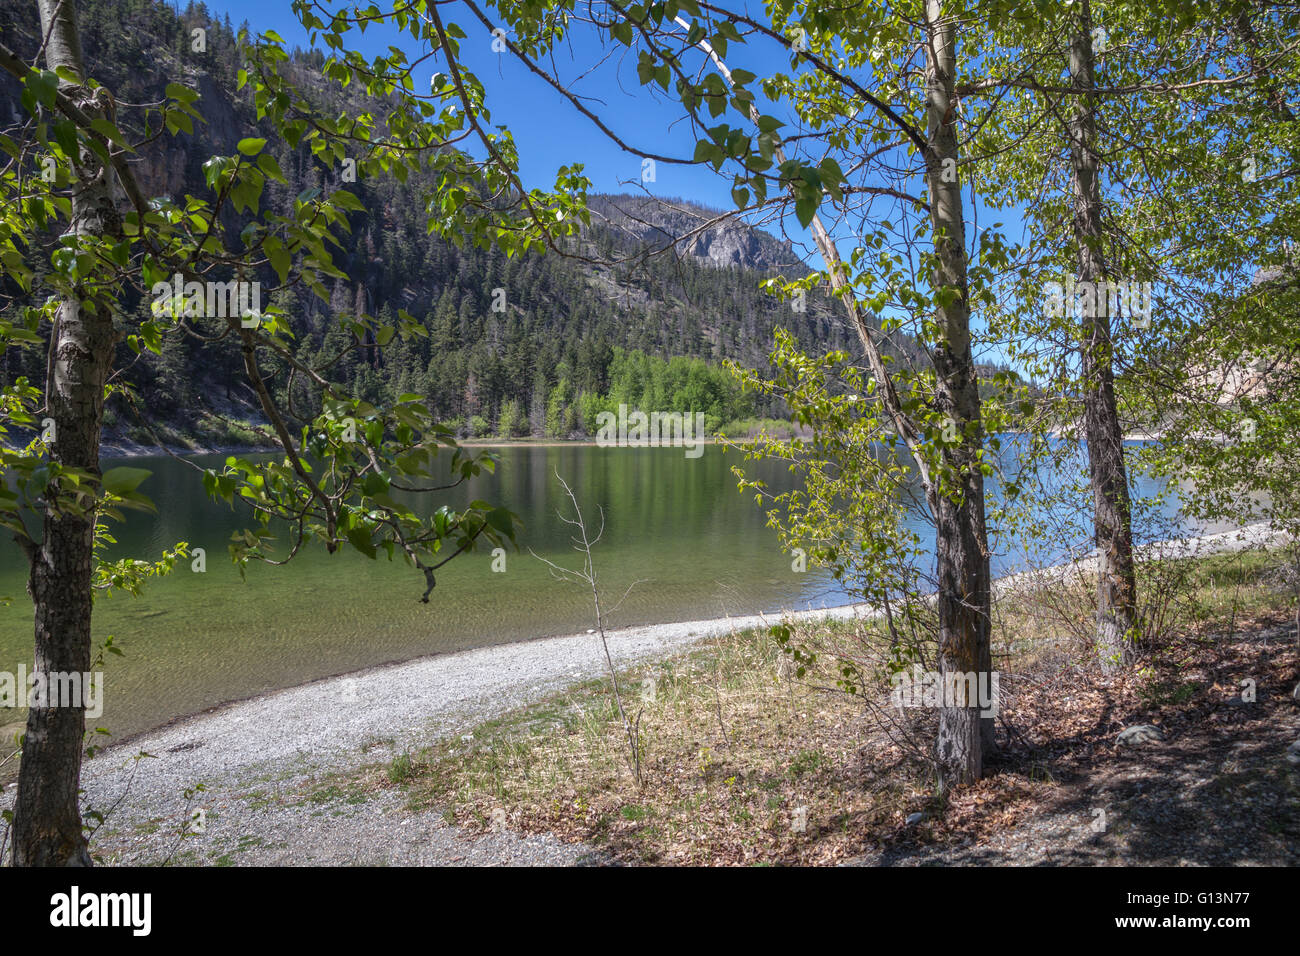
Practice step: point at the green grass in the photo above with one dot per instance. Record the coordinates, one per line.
(401, 769)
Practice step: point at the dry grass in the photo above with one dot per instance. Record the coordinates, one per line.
(745, 763)
(732, 748)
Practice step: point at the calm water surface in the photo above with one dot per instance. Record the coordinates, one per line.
(676, 525)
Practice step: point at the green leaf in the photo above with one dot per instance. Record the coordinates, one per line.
(280, 258)
(346, 200)
(267, 163)
(501, 520)
(251, 146)
(359, 538)
(123, 480)
(107, 130)
(805, 208)
(184, 94)
(65, 134)
(43, 86)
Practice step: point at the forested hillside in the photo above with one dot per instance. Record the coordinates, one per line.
(516, 346)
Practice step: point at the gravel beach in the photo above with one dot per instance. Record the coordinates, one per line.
(257, 758)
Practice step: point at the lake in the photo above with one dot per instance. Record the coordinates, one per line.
(676, 525)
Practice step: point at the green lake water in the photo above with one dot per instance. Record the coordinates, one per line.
(677, 525)
(191, 641)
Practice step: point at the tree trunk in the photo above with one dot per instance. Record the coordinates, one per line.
(962, 541)
(1116, 581)
(47, 828)
(956, 494)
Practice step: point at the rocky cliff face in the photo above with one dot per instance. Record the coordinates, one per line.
(696, 231)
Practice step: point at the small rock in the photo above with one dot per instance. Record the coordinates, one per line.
(1293, 754)
(915, 818)
(1295, 694)
(1139, 734)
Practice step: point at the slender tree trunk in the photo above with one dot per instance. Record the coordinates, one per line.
(47, 828)
(1116, 581)
(956, 495)
(958, 501)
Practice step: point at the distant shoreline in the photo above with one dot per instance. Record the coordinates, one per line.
(123, 450)
(118, 449)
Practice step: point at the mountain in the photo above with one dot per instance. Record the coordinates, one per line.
(643, 323)
(713, 237)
